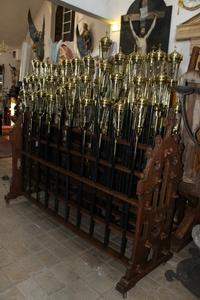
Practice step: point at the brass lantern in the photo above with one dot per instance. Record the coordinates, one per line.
(120, 61)
(175, 59)
(104, 46)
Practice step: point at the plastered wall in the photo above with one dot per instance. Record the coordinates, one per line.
(113, 9)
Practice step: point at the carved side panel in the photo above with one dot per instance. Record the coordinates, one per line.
(156, 194)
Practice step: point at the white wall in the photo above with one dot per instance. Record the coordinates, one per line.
(182, 46)
(102, 8)
(113, 9)
(6, 59)
(98, 26)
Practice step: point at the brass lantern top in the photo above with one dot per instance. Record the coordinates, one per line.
(86, 78)
(160, 55)
(66, 62)
(175, 56)
(162, 79)
(105, 65)
(35, 63)
(135, 57)
(139, 80)
(116, 77)
(120, 57)
(151, 56)
(106, 42)
(156, 55)
(76, 61)
(89, 61)
(88, 58)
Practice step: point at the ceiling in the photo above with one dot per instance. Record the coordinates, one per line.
(13, 20)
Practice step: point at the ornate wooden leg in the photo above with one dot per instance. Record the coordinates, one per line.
(16, 141)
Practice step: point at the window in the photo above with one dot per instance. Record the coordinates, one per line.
(64, 25)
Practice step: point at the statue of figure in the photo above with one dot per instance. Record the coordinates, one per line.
(190, 184)
(84, 40)
(87, 38)
(141, 39)
(14, 74)
(191, 155)
(37, 37)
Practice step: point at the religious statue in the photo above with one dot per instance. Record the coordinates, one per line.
(14, 74)
(141, 39)
(191, 156)
(84, 40)
(190, 185)
(37, 37)
(87, 38)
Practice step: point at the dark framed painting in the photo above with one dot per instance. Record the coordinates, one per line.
(142, 12)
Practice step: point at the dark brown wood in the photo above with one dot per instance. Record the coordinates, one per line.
(16, 142)
(86, 181)
(58, 23)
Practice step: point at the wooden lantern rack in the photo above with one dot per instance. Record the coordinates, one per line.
(59, 178)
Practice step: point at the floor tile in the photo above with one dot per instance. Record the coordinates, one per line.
(92, 259)
(148, 284)
(18, 250)
(82, 291)
(5, 282)
(47, 258)
(65, 294)
(74, 246)
(5, 258)
(76, 290)
(99, 281)
(64, 273)
(48, 282)
(48, 224)
(34, 229)
(113, 294)
(113, 273)
(12, 294)
(31, 290)
(34, 245)
(138, 293)
(165, 294)
(60, 251)
(31, 263)
(46, 239)
(59, 234)
(16, 272)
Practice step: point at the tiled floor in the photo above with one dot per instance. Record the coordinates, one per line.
(40, 259)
